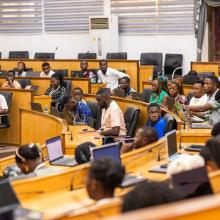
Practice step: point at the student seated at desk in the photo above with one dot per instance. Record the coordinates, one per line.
(47, 72)
(109, 76)
(21, 69)
(56, 91)
(79, 111)
(211, 154)
(86, 72)
(10, 81)
(175, 92)
(78, 95)
(212, 105)
(160, 90)
(149, 194)
(124, 84)
(155, 120)
(143, 137)
(199, 97)
(103, 177)
(112, 119)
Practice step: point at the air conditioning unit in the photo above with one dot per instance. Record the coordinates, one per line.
(103, 35)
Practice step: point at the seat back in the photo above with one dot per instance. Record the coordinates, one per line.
(96, 114)
(63, 72)
(68, 86)
(0, 55)
(87, 56)
(173, 61)
(171, 124)
(116, 56)
(24, 83)
(77, 74)
(131, 117)
(18, 55)
(44, 56)
(155, 59)
(190, 79)
(145, 96)
(33, 74)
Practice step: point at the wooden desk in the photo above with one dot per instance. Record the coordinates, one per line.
(44, 83)
(96, 86)
(131, 67)
(75, 136)
(146, 74)
(44, 100)
(202, 208)
(124, 103)
(205, 67)
(37, 127)
(20, 99)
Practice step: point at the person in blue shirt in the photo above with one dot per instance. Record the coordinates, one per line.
(155, 120)
(80, 111)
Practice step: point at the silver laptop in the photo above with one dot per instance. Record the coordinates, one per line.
(55, 153)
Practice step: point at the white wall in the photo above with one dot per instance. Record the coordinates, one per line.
(69, 45)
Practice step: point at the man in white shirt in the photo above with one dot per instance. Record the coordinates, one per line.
(199, 97)
(3, 105)
(109, 76)
(47, 72)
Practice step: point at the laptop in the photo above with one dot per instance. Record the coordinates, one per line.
(68, 117)
(195, 119)
(54, 111)
(10, 207)
(113, 151)
(36, 107)
(192, 183)
(200, 126)
(172, 152)
(55, 153)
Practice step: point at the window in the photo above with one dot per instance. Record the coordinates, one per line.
(70, 15)
(17, 16)
(154, 16)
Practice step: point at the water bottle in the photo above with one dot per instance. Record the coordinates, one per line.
(46, 110)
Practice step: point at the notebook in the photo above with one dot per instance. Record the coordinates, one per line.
(55, 153)
(113, 151)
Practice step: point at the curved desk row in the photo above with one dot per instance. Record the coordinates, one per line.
(131, 67)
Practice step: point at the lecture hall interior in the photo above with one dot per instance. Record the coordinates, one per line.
(109, 109)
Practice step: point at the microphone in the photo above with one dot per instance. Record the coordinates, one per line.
(55, 49)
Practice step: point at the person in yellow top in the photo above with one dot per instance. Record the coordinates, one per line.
(10, 81)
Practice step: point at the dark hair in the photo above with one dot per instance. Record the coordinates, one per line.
(27, 152)
(108, 172)
(192, 73)
(11, 71)
(59, 76)
(211, 151)
(151, 134)
(45, 64)
(78, 88)
(104, 91)
(148, 194)
(25, 69)
(84, 60)
(82, 152)
(66, 99)
(153, 105)
(199, 82)
(216, 130)
(179, 82)
(103, 60)
(127, 79)
(217, 96)
(214, 79)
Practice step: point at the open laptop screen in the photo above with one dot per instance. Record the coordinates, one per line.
(111, 151)
(54, 148)
(8, 197)
(171, 143)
